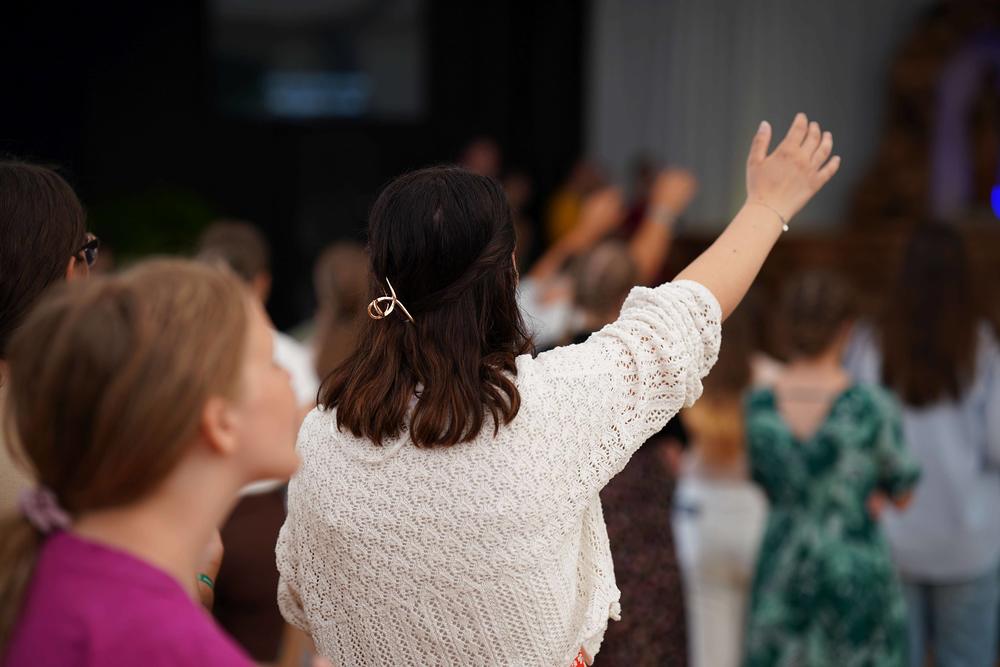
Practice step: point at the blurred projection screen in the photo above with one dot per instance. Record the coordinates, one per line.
(316, 59)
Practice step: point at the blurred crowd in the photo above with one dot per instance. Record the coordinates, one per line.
(831, 499)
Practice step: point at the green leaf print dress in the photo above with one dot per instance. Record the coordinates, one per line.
(826, 593)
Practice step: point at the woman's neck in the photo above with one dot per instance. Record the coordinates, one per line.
(823, 372)
(170, 529)
(824, 363)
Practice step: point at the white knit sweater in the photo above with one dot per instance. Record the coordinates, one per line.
(491, 552)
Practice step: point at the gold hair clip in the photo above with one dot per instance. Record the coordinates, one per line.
(375, 307)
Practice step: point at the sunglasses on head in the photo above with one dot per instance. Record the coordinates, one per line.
(88, 252)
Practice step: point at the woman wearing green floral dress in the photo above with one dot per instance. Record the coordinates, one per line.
(828, 453)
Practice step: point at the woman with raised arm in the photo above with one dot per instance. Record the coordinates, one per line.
(447, 510)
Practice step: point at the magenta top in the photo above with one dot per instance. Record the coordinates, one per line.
(90, 605)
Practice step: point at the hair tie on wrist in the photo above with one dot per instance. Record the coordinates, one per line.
(41, 508)
(207, 580)
(376, 312)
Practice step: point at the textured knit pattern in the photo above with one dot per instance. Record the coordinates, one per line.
(491, 552)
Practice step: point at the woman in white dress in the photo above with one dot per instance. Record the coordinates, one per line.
(447, 510)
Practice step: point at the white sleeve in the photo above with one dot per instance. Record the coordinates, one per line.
(288, 555)
(605, 397)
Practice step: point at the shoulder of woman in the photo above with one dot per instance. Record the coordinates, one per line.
(759, 398)
(318, 428)
(878, 397)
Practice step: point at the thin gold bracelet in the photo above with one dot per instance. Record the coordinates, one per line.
(784, 223)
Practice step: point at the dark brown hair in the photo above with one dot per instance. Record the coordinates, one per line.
(238, 245)
(108, 381)
(42, 225)
(928, 328)
(814, 308)
(444, 238)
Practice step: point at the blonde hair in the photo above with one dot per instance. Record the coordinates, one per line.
(109, 378)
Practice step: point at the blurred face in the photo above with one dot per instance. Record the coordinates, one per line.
(267, 417)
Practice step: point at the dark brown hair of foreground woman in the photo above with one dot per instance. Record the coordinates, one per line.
(444, 237)
(458, 355)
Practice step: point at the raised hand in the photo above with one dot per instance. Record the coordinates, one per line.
(778, 186)
(797, 169)
(600, 214)
(673, 190)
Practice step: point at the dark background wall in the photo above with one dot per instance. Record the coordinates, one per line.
(121, 97)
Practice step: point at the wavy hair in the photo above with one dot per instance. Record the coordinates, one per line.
(444, 237)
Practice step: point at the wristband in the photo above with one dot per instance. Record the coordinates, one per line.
(662, 215)
(207, 580)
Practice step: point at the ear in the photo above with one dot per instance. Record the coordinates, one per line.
(261, 286)
(219, 426)
(76, 269)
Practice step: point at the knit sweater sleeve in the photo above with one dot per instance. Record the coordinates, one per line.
(609, 394)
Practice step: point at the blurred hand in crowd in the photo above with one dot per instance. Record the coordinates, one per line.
(673, 190)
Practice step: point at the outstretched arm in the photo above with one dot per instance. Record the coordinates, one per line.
(672, 192)
(778, 186)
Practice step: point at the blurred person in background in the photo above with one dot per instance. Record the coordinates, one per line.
(636, 502)
(247, 584)
(519, 189)
(643, 174)
(564, 207)
(242, 248)
(144, 403)
(826, 449)
(341, 282)
(45, 241)
(546, 293)
(718, 513)
(482, 156)
(934, 348)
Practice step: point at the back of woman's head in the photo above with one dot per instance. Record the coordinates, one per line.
(603, 278)
(929, 325)
(109, 378)
(42, 225)
(342, 283)
(444, 238)
(816, 307)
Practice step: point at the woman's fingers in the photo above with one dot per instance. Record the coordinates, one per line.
(823, 150)
(828, 170)
(760, 143)
(811, 142)
(796, 133)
